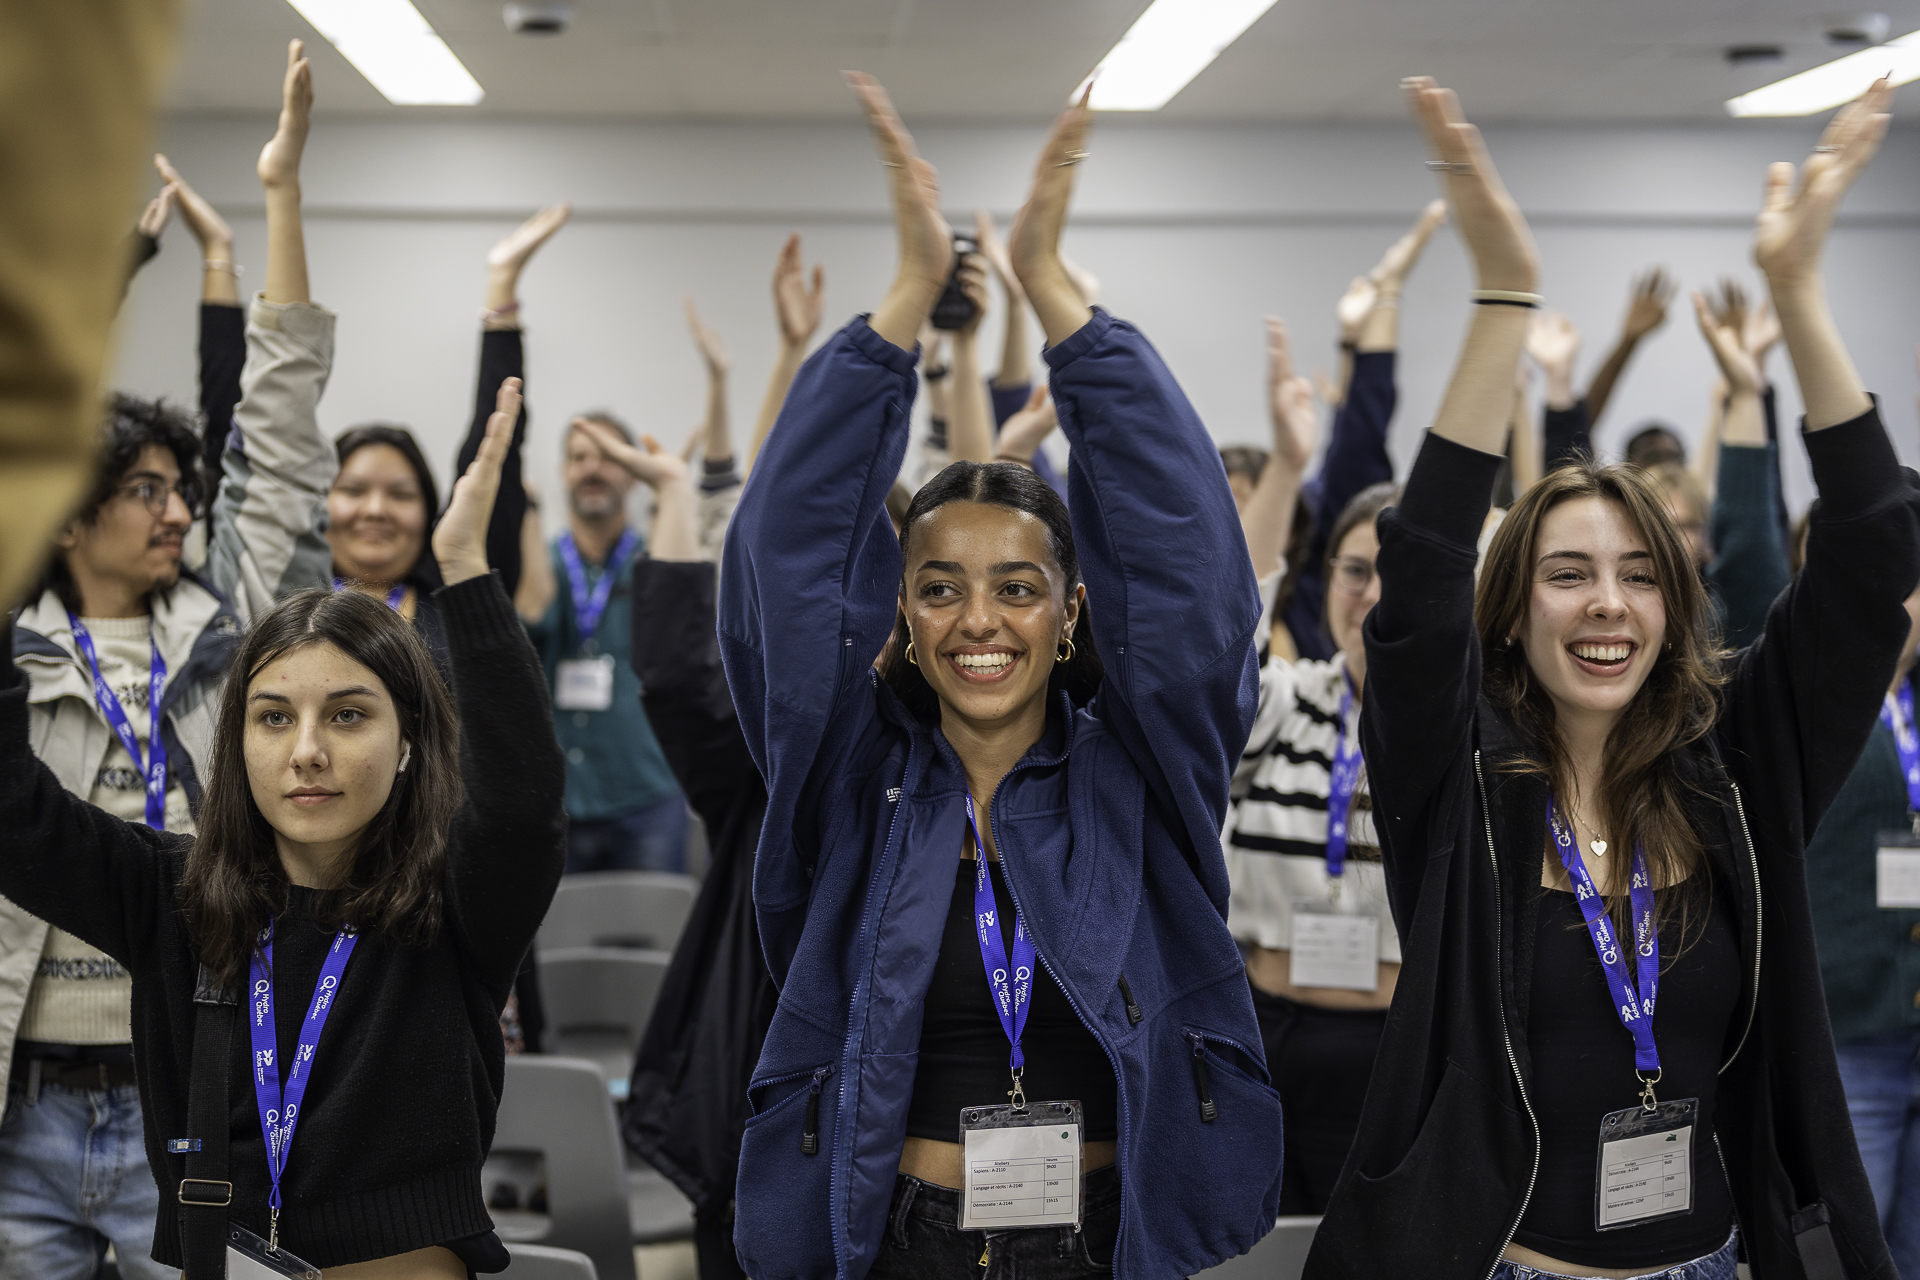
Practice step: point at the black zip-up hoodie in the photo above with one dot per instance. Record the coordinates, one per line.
(1447, 1153)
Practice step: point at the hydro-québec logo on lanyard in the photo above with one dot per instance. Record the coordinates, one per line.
(394, 596)
(1644, 1169)
(151, 763)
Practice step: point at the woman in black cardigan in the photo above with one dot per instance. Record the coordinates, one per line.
(1574, 731)
(346, 796)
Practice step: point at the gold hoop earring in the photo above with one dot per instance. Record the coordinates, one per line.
(1068, 655)
(911, 660)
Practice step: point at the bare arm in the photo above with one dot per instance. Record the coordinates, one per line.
(970, 419)
(219, 274)
(1524, 448)
(280, 178)
(1646, 311)
(1381, 329)
(1016, 363)
(536, 589)
(797, 307)
(1022, 433)
(1268, 516)
(718, 437)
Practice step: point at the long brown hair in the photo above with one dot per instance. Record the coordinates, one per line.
(1674, 708)
(234, 883)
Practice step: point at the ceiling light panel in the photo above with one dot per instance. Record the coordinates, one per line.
(1170, 44)
(1842, 80)
(396, 49)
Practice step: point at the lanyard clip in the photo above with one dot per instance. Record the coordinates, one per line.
(1018, 1094)
(273, 1231)
(1647, 1100)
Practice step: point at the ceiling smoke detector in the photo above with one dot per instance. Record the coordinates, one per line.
(1857, 30)
(537, 17)
(1754, 55)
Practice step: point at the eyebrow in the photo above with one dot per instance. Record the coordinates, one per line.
(960, 570)
(1583, 556)
(351, 691)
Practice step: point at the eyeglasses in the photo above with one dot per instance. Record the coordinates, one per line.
(153, 495)
(1352, 575)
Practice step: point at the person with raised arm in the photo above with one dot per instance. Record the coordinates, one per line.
(1588, 810)
(797, 304)
(713, 440)
(223, 319)
(1356, 455)
(989, 883)
(372, 858)
(1647, 301)
(1308, 904)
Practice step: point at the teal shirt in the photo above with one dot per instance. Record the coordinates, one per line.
(1869, 956)
(614, 763)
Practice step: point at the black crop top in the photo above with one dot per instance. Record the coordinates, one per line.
(1583, 1069)
(963, 1050)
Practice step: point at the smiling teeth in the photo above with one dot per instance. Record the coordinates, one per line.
(1603, 652)
(985, 663)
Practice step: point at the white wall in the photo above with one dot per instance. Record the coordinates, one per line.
(1195, 234)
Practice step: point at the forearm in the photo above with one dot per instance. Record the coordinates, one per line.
(1525, 449)
(1016, 365)
(1600, 390)
(219, 274)
(536, 589)
(1830, 386)
(1059, 305)
(286, 247)
(1381, 330)
(1474, 411)
(676, 531)
(1269, 517)
(792, 356)
(502, 356)
(970, 418)
(719, 432)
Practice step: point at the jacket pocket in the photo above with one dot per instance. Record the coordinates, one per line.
(782, 1222)
(1211, 1113)
(1463, 1177)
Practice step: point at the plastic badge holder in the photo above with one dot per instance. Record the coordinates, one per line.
(1022, 1165)
(1897, 870)
(251, 1258)
(1645, 1167)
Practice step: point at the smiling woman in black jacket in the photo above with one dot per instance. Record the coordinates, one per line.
(1579, 730)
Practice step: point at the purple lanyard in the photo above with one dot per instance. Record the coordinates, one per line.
(1340, 789)
(588, 605)
(1012, 1000)
(280, 1104)
(1897, 715)
(1635, 1008)
(154, 764)
(394, 597)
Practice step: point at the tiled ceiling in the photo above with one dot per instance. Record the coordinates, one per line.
(1014, 60)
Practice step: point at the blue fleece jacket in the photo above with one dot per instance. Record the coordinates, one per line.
(1109, 828)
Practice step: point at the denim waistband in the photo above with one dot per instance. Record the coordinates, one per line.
(1718, 1265)
(940, 1206)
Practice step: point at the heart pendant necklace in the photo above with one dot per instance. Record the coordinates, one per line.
(1596, 844)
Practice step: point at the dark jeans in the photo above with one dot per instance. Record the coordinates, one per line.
(924, 1241)
(1320, 1060)
(649, 839)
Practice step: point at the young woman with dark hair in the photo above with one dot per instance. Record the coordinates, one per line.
(997, 765)
(1584, 803)
(364, 837)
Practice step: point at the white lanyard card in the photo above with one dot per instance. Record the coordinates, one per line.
(1334, 949)
(251, 1258)
(1897, 871)
(584, 684)
(1645, 1164)
(1022, 1165)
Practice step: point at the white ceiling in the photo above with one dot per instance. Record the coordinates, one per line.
(1014, 60)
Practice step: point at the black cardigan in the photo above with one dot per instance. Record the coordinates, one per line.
(1443, 1164)
(410, 1066)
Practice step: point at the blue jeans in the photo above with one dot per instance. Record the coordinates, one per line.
(73, 1176)
(649, 839)
(1721, 1264)
(1882, 1080)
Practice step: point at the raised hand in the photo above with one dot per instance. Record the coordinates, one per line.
(994, 250)
(1795, 218)
(460, 539)
(1721, 327)
(1296, 427)
(513, 251)
(1022, 434)
(1355, 305)
(1760, 333)
(159, 211)
(207, 226)
(1487, 218)
(1033, 245)
(711, 349)
(1647, 306)
(796, 305)
(1554, 343)
(1391, 271)
(925, 241)
(647, 462)
(280, 159)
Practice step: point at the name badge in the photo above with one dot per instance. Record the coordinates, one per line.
(1332, 950)
(1022, 1166)
(251, 1258)
(584, 684)
(1898, 881)
(1645, 1164)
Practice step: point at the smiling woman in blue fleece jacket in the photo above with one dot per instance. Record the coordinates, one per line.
(1101, 815)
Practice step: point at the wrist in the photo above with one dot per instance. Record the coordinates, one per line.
(217, 250)
(281, 188)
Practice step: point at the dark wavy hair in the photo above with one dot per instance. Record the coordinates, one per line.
(353, 439)
(234, 883)
(1675, 707)
(999, 484)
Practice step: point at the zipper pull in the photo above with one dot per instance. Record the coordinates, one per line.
(1134, 1015)
(810, 1131)
(1208, 1112)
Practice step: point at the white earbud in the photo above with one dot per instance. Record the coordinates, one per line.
(406, 754)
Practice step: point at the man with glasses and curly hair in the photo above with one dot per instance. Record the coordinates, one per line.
(124, 648)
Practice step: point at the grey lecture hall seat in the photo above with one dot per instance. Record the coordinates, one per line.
(558, 1109)
(645, 910)
(598, 1001)
(538, 1262)
(1281, 1255)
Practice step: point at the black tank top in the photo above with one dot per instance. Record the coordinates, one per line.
(1583, 1069)
(963, 1050)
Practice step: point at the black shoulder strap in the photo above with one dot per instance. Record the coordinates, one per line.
(1813, 1236)
(207, 1190)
